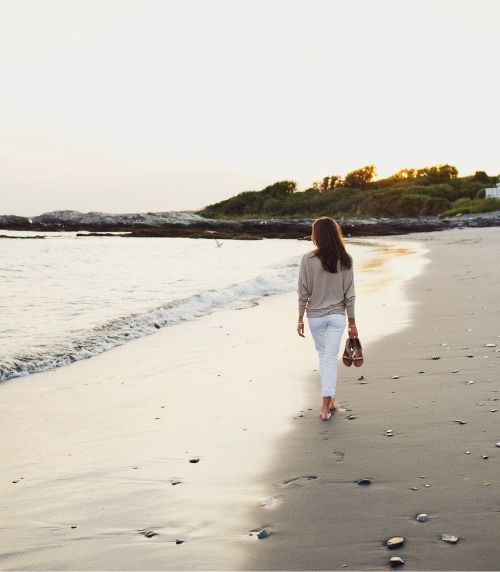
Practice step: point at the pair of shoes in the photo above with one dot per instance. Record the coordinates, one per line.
(353, 352)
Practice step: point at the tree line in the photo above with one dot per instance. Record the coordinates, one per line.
(435, 190)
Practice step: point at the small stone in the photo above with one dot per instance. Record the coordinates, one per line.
(179, 541)
(73, 526)
(435, 357)
(364, 482)
(422, 517)
(455, 371)
(361, 377)
(490, 346)
(421, 371)
(263, 534)
(414, 488)
(470, 382)
(14, 482)
(175, 482)
(395, 542)
(449, 538)
(485, 457)
(194, 460)
(469, 355)
(157, 326)
(396, 561)
(460, 421)
(395, 377)
(350, 417)
(497, 444)
(467, 452)
(493, 410)
(427, 486)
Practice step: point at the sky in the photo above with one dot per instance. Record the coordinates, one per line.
(159, 105)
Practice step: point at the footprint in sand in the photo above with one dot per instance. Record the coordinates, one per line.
(299, 480)
(340, 456)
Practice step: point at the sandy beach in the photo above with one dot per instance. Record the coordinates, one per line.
(156, 456)
(433, 463)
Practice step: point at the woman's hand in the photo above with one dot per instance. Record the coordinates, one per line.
(352, 330)
(300, 328)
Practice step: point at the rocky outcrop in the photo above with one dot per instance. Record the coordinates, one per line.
(69, 220)
(15, 222)
(191, 225)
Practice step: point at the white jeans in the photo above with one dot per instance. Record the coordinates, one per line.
(327, 332)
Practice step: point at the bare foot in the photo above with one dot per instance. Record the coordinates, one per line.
(325, 415)
(333, 404)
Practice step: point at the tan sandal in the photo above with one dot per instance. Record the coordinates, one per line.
(348, 352)
(357, 354)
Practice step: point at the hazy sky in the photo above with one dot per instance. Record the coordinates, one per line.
(151, 105)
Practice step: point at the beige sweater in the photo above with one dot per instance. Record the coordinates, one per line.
(322, 292)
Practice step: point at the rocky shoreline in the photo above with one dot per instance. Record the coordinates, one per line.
(191, 225)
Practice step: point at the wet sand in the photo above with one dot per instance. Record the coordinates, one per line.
(156, 455)
(421, 384)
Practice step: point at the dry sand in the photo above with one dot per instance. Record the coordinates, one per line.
(96, 447)
(331, 522)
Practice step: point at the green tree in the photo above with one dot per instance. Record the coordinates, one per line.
(327, 183)
(360, 178)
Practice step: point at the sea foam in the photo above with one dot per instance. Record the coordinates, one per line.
(119, 331)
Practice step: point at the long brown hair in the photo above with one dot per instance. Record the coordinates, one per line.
(330, 249)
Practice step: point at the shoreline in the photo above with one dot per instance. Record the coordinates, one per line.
(130, 226)
(432, 464)
(96, 470)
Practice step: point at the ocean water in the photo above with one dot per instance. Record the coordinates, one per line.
(65, 298)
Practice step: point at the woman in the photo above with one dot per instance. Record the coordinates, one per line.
(326, 292)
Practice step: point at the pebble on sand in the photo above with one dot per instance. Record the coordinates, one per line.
(364, 482)
(497, 444)
(485, 457)
(490, 346)
(422, 517)
(395, 377)
(194, 460)
(361, 377)
(455, 371)
(395, 542)
(178, 541)
(396, 561)
(449, 538)
(460, 421)
(435, 357)
(263, 534)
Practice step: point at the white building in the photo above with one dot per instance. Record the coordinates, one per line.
(493, 192)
